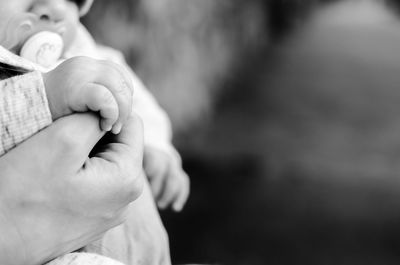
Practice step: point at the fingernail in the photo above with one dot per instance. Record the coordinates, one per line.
(117, 128)
(105, 126)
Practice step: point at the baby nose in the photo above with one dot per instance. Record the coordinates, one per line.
(52, 10)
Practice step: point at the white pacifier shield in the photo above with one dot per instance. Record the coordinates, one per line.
(44, 48)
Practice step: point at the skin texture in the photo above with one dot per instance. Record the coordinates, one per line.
(145, 238)
(49, 182)
(97, 85)
(20, 19)
(169, 184)
(89, 84)
(54, 199)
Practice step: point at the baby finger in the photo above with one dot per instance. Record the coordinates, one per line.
(99, 98)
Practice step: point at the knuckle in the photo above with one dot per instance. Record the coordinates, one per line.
(117, 217)
(107, 98)
(123, 90)
(115, 69)
(122, 216)
(109, 67)
(112, 218)
(81, 60)
(107, 63)
(134, 186)
(131, 184)
(124, 87)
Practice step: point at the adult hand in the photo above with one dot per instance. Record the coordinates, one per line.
(141, 239)
(54, 199)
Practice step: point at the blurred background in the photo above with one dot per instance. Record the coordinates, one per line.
(287, 116)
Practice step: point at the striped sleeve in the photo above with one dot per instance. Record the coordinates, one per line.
(24, 109)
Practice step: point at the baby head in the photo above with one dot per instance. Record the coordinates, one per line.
(21, 20)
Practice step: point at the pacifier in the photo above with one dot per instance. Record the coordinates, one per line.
(44, 48)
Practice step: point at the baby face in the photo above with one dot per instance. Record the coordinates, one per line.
(20, 19)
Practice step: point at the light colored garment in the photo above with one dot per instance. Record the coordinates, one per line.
(24, 108)
(83, 259)
(157, 126)
(141, 239)
(24, 111)
(28, 113)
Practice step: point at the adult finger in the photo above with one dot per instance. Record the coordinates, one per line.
(64, 145)
(128, 142)
(115, 173)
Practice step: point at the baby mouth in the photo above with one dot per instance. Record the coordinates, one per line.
(21, 28)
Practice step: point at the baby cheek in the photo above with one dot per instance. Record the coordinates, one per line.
(70, 34)
(12, 30)
(2, 32)
(72, 23)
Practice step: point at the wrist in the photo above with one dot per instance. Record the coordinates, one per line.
(30, 232)
(50, 96)
(55, 96)
(12, 245)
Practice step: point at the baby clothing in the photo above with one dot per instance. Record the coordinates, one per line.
(83, 259)
(24, 108)
(157, 126)
(24, 111)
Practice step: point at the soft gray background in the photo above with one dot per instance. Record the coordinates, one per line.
(287, 115)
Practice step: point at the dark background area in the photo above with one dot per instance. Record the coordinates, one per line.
(287, 116)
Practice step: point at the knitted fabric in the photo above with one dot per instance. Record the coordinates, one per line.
(23, 109)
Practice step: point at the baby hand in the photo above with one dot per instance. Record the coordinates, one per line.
(81, 84)
(169, 184)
